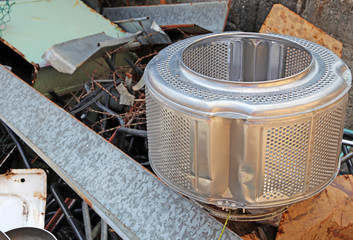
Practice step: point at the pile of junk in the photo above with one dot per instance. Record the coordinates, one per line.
(139, 122)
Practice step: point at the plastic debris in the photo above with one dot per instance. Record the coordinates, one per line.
(125, 97)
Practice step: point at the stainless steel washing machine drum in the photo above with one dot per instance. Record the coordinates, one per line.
(246, 120)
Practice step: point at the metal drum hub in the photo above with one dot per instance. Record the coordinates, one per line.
(246, 120)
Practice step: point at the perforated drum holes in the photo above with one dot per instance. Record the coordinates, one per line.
(172, 154)
(246, 120)
(209, 60)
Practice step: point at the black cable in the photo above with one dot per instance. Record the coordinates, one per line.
(86, 119)
(74, 211)
(132, 141)
(347, 134)
(109, 62)
(138, 70)
(90, 99)
(19, 146)
(106, 104)
(122, 139)
(102, 107)
(134, 132)
(116, 115)
(50, 203)
(60, 221)
(69, 217)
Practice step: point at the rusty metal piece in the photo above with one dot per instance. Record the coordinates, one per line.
(59, 216)
(327, 215)
(22, 198)
(284, 21)
(251, 236)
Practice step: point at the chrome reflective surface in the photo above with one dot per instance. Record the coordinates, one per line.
(246, 120)
(3, 236)
(30, 233)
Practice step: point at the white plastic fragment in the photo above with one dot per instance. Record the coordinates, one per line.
(139, 85)
(125, 97)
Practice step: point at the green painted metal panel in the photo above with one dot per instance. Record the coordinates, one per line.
(38, 24)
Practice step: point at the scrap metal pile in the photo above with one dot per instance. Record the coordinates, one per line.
(115, 107)
(112, 103)
(94, 76)
(109, 97)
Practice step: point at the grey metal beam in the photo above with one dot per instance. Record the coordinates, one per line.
(128, 197)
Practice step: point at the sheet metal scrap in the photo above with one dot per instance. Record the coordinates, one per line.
(37, 25)
(57, 21)
(152, 33)
(23, 195)
(208, 15)
(284, 21)
(139, 206)
(191, 29)
(68, 56)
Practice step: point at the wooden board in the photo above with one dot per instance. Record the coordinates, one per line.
(327, 215)
(284, 21)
